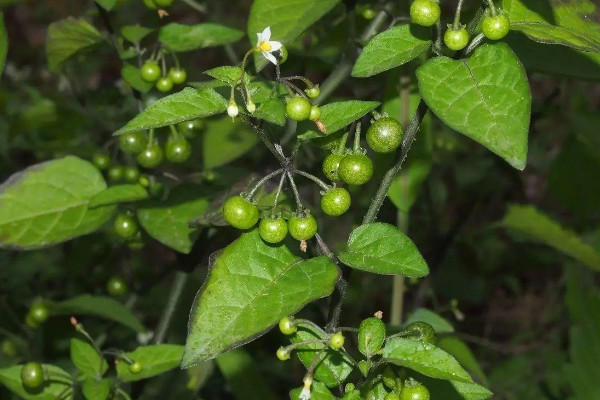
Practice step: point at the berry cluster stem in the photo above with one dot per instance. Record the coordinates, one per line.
(456, 24)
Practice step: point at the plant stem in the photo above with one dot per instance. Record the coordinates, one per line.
(492, 7)
(196, 6)
(278, 193)
(407, 141)
(313, 178)
(263, 181)
(457, 15)
(167, 316)
(294, 190)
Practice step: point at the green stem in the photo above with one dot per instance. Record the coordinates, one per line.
(492, 7)
(195, 5)
(456, 24)
(294, 190)
(313, 178)
(263, 181)
(167, 316)
(278, 193)
(356, 147)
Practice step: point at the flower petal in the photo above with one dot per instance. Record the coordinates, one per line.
(270, 57)
(275, 45)
(266, 34)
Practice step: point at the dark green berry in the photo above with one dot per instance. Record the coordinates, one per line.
(151, 156)
(125, 226)
(302, 227)
(32, 376)
(115, 173)
(331, 165)
(101, 160)
(135, 367)
(385, 135)
(273, 230)
(131, 174)
(356, 169)
(298, 108)
(116, 287)
(178, 150)
(240, 212)
(425, 12)
(335, 202)
(133, 142)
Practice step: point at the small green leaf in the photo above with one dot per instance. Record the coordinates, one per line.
(406, 186)
(383, 249)
(133, 77)
(135, 33)
(250, 286)
(390, 49)
(87, 360)
(118, 194)
(11, 378)
(336, 116)
(272, 111)
(246, 382)
(424, 358)
(3, 42)
(485, 97)
(93, 389)
(107, 4)
(155, 359)
(334, 367)
(47, 203)
(180, 37)
(182, 106)
(68, 37)
(318, 392)
(225, 141)
(229, 75)
(99, 306)
(287, 19)
(167, 220)
(539, 226)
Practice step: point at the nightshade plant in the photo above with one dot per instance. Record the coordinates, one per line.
(466, 75)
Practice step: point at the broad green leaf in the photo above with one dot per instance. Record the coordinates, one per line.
(93, 389)
(87, 360)
(180, 37)
(167, 221)
(406, 186)
(336, 116)
(107, 4)
(439, 324)
(539, 226)
(318, 391)
(485, 97)
(334, 367)
(229, 75)
(119, 194)
(390, 49)
(287, 19)
(453, 390)
(132, 75)
(565, 23)
(250, 286)
(383, 249)
(272, 111)
(11, 378)
(68, 37)
(375, 389)
(246, 382)
(224, 141)
(464, 355)
(47, 203)
(155, 359)
(424, 358)
(99, 306)
(3, 43)
(135, 33)
(181, 106)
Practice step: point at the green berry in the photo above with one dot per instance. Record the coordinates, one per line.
(150, 71)
(131, 174)
(302, 227)
(298, 108)
(190, 128)
(116, 287)
(32, 376)
(425, 12)
(178, 150)
(135, 367)
(391, 396)
(356, 169)
(273, 230)
(144, 180)
(336, 341)
(115, 173)
(335, 202)
(456, 39)
(331, 165)
(125, 226)
(178, 75)
(369, 13)
(283, 54)
(313, 92)
(8, 347)
(422, 330)
(315, 113)
(371, 336)
(39, 313)
(240, 212)
(151, 156)
(101, 160)
(287, 326)
(133, 142)
(414, 392)
(164, 84)
(495, 27)
(283, 354)
(385, 135)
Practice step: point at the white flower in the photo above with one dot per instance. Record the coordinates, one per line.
(305, 394)
(232, 110)
(267, 46)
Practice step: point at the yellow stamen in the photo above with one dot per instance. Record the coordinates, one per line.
(266, 46)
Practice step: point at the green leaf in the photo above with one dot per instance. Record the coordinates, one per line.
(107, 4)
(272, 111)
(439, 324)
(135, 33)
(485, 97)
(155, 359)
(318, 391)
(390, 49)
(181, 106)
(250, 286)
(453, 390)
(47, 203)
(87, 360)
(287, 19)
(96, 390)
(180, 37)
(245, 380)
(11, 378)
(225, 141)
(133, 77)
(383, 249)
(406, 186)
(118, 194)
(167, 221)
(563, 24)
(334, 367)
(424, 358)
(464, 355)
(229, 75)
(539, 226)
(99, 306)
(336, 116)
(3, 42)
(67, 38)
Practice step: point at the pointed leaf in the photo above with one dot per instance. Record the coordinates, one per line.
(485, 97)
(133, 77)
(245, 380)
(182, 106)
(383, 249)
(225, 141)
(336, 116)
(47, 203)
(11, 378)
(69, 37)
(273, 111)
(135, 33)
(390, 49)
(180, 37)
(155, 359)
(118, 194)
(87, 360)
(250, 287)
(93, 389)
